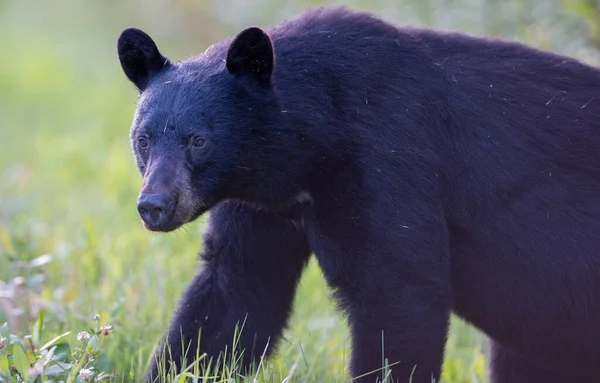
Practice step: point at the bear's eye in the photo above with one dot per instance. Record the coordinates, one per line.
(142, 142)
(199, 142)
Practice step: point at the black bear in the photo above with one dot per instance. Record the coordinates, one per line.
(429, 173)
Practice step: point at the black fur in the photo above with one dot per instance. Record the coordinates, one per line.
(252, 262)
(251, 54)
(139, 56)
(428, 172)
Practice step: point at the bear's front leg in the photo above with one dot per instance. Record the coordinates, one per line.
(407, 332)
(390, 271)
(252, 264)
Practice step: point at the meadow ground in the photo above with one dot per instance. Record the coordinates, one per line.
(68, 183)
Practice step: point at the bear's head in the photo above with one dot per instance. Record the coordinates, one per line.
(206, 129)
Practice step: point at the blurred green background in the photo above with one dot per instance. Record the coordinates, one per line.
(68, 183)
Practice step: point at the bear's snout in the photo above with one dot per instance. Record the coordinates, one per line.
(155, 209)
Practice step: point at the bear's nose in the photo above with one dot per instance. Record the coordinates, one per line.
(153, 209)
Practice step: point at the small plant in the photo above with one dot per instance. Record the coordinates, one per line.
(22, 359)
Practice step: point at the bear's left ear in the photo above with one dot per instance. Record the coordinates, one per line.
(251, 54)
(139, 56)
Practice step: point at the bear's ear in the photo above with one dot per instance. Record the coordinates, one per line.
(251, 54)
(139, 56)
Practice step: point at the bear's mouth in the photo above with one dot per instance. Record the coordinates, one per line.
(163, 227)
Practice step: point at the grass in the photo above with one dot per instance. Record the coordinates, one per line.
(71, 245)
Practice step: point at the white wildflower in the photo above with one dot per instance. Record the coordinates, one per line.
(86, 374)
(83, 336)
(36, 371)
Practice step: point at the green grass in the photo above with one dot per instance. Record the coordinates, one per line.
(68, 186)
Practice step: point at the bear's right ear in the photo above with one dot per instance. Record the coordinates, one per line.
(140, 58)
